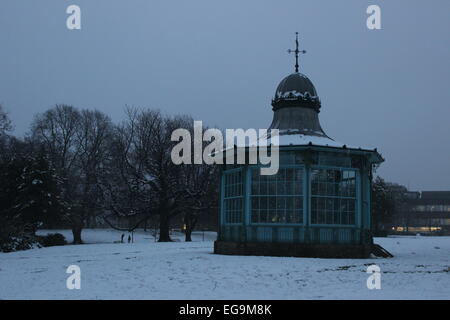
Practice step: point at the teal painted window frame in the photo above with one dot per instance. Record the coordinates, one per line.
(307, 196)
(357, 198)
(248, 213)
(223, 211)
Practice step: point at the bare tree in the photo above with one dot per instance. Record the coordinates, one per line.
(201, 193)
(76, 143)
(146, 181)
(164, 184)
(153, 147)
(93, 140)
(124, 191)
(57, 130)
(5, 122)
(5, 139)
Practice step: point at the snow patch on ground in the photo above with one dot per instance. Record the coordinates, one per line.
(179, 270)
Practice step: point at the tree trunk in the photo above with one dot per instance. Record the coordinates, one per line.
(188, 233)
(374, 224)
(164, 228)
(190, 221)
(76, 231)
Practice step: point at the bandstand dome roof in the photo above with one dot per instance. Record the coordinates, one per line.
(296, 90)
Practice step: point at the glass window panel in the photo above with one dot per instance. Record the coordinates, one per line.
(290, 202)
(289, 216)
(272, 202)
(333, 197)
(255, 203)
(255, 217)
(263, 201)
(290, 174)
(278, 198)
(281, 175)
(255, 175)
(281, 187)
(233, 197)
(263, 216)
(263, 188)
(272, 188)
(281, 203)
(281, 216)
(255, 186)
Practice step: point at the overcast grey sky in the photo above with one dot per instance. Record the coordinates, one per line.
(220, 61)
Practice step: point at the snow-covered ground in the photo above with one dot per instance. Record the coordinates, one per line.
(179, 270)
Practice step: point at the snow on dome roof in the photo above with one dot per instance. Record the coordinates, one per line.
(296, 90)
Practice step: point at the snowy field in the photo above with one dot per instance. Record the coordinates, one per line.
(179, 270)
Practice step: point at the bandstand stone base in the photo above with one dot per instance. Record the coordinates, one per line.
(293, 249)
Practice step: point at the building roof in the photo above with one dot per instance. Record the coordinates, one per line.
(293, 139)
(435, 195)
(296, 90)
(296, 107)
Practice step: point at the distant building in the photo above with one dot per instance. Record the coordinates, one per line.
(424, 212)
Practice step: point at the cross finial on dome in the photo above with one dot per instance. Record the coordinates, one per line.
(296, 51)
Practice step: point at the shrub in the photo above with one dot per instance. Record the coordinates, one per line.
(52, 239)
(14, 240)
(18, 243)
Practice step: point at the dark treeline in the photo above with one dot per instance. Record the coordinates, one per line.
(387, 201)
(75, 165)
